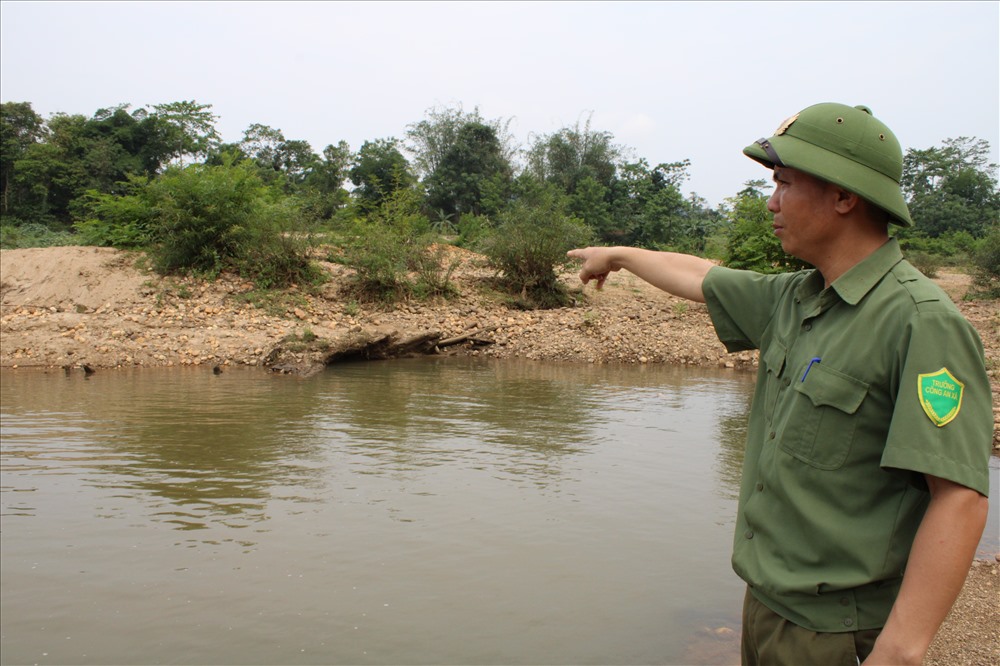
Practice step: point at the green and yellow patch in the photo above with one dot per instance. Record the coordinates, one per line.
(940, 395)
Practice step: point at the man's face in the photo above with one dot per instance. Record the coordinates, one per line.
(802, 207)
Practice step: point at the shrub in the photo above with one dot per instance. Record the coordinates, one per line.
(948, 249)
(751, 243)
(392, 254)
(986, 264)
(925, 262)
(471, 229)
(127, 220)
(380, 257)
(206, 219)
(528, 248)
(33, 234)
(433, 271)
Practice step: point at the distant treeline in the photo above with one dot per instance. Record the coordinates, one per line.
(136, 177)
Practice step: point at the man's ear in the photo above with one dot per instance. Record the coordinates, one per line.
(845, 201)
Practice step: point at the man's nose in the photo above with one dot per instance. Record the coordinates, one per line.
(772, 202)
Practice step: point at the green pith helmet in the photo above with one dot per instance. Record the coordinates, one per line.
(844, 145)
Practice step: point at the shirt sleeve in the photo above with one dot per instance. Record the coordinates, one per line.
(942, 423)
(742, 303)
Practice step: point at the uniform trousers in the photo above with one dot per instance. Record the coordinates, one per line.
(770, 640)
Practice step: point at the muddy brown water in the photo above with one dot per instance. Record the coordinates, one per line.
(420, 512)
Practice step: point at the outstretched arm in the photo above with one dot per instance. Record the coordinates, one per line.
(939, 561)
(677, 274)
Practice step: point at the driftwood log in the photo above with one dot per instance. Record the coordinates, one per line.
(305, 356)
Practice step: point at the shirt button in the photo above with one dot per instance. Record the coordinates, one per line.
(786, 381)
(748, 534)
(770, 435)
(848, 622)
(760, 486)
(807, 327)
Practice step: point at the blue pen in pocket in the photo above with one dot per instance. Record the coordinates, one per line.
(815, 359)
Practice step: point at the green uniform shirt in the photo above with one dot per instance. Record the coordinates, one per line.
(863, 388)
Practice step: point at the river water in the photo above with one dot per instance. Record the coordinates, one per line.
(427, 511)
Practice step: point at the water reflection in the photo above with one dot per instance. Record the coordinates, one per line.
(422, 511)
(418, 511)
(514, 419)
(731, 435)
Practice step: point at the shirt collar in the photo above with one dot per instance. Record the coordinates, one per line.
(853, 285)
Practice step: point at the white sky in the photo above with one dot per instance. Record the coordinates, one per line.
(670, 80)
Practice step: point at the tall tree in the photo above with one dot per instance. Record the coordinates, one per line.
(323, 188)
(20, 129)
(571, 154)
(282, 161)
(472, 174)
(952, 188)
(429, 140)
(379, 169)
(194, 134)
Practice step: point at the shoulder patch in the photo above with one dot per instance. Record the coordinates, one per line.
(940, 394)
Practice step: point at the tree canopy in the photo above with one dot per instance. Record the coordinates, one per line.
(462, 174)
(952, 187)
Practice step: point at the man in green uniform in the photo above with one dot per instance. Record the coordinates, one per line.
(864, 484)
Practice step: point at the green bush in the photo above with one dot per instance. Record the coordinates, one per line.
(986, 264)
(206, 219)
(949, 249)
(471, 229)
(33, 234)
(391, 251)
(126, 220)
(925, 262)
(528, 248)
(751, 243)
(380, 257)
(433, 271)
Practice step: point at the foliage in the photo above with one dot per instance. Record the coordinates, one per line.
(529, 244)
(472, 176)
(20, 129)
(32, 234)
(952, 187)
(49, 167)
(286, 163)
(752, 244)
(192, 127)
(986, 264)
(379, 170)
(571, 154)
(926, 263)
(124, 220)
(652, 212)
(119, 176)
(322, 192)
(627, 203)
(391, 254)
(432, 138)
(953, 248)
(206, 219)
(471, 229)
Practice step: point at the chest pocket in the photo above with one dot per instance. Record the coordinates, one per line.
(821, 432)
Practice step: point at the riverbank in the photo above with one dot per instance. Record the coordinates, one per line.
(85, 307)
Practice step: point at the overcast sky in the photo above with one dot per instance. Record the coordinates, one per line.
(669, 80)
